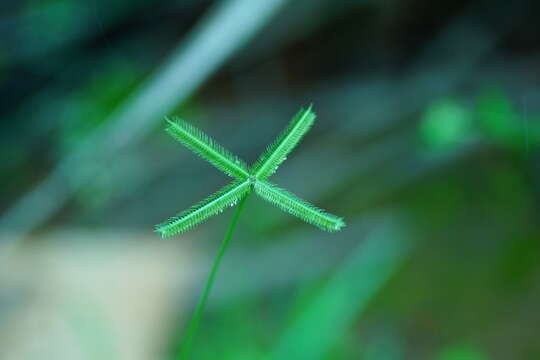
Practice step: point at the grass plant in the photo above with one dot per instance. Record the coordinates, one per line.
(246, 179)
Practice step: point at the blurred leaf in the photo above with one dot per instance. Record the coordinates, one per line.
(502, 123)
(330, 314)
(461, 352)
(52, 21)
(445, 123)
(233, 333)
(498, 117)
(384, 346)
(90, 106)
(521, 263)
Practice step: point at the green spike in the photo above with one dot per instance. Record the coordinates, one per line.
(277, 152)
(228, 196)
(207, 148)
(298, 207)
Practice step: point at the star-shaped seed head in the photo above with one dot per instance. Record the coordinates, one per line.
(247, 179)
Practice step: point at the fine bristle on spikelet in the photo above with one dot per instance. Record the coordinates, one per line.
(298, 207)
(216, 203)
(277, 152)
(208, 149)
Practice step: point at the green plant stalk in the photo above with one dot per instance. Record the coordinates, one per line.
(194, 324)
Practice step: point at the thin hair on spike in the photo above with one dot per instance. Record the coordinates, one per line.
(207, 148)
(228, 196)
(277, 152)
(298, 207)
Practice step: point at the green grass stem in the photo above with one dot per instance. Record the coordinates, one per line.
(194, 324)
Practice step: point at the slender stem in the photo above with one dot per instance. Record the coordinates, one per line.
(194, 324)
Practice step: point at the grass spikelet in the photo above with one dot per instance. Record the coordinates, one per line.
(277, 152)
(207, 148)
(298, 207)
(212, 205)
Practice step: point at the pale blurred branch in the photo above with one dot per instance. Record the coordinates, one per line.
(224, 30)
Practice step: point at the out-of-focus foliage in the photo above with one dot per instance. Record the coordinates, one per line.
(446, 123)
(461, 352)
(325, 316)
(502, 123)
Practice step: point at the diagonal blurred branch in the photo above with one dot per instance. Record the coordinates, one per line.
(227, 27)
(324, 320)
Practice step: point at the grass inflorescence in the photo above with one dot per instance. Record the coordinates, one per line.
(247, 179)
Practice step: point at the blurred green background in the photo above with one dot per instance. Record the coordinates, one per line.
(426, 142)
